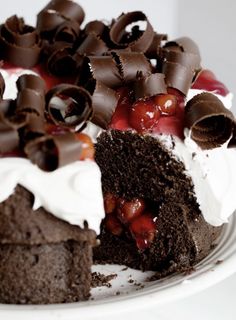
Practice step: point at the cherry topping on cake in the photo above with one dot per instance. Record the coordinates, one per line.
(87, 146)
(206, 80)
(167, 103)
(144, 115)
(128, 210)
(143, 230)
(110, 201)
(113, 225)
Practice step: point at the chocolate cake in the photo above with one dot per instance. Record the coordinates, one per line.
(159, 121)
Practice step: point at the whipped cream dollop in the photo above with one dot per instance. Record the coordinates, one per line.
(72, 193)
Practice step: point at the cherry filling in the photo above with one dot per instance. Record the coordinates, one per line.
(162, 113)
(134, 217)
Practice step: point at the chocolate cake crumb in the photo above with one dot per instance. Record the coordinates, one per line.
(101, 280)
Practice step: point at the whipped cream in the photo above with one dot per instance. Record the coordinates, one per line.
(72, 193)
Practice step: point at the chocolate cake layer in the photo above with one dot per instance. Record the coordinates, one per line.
(42, 259)
(43, 274)
(135, 166)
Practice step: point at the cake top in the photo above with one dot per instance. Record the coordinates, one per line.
(91, 65)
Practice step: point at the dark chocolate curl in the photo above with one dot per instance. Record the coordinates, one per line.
(132, 64)
(2, 86)
(103, 69)
(104, 104)
(20, 43)
(210, 123)
(52, 152)
(92, 45)
(154, 50)
(149, 86)
(178, 76)
(68, 32)
(30, 101)
(189, 60)
(31, 81)
(57, 12)
(69, 106)
(95, 27)
(60, 61)
(141, 42)
(9, 137)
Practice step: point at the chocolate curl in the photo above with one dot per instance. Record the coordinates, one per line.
(178, 76)
(97, 28)
(154, 50)
(34, 128)
(33, 82)
(52, 152)
(60, 60)
(30, 101)
(210, 123)
(2, 86)
(56, 13)
(20, 43)
(102, 69)
(131, 64)
(149, 86)
(92, 46)
(9, 137)
(68, 32)
(138, 41)
(69, 106)
(186, 59)
(104, 103)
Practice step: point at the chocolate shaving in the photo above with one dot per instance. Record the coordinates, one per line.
(154, 50)
(30, 101)
(132, 64)
(34, 128)
(104, 103)
(58, 12)
(68, 32)
(189, 60)
(9, 137)
(96, 27)
(31, 81)
(149, 86)
(60, 60)
(20, 43)
(210, 123)
(69, 106)
(92, 45)
(52, 152)
(138, 41)
(2, 86)
(183, 44)
(103, 69)
(178, 76)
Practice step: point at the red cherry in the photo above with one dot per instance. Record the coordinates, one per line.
(113, 225)
(206, 80)
(128, 210)
(144, 115)
(143, 230)
(167, 103)
(110, 201)
(179, 96)
(55, 130)
(88, 150)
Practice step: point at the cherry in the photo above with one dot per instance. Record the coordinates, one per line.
(143, 230)
(167, 103)
(206, 80)
(110, 201)
(88, 150)
(128, 210)
(113, 225)
(144, 115)
(54, 129)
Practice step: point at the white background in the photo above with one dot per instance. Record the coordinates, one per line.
(213, 25)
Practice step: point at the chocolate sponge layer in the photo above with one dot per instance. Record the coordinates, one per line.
(42, 258)
(133, 166)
